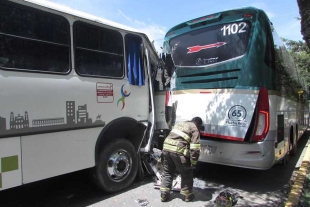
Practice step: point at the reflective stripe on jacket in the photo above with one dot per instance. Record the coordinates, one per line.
(174, 146)
(184, 139)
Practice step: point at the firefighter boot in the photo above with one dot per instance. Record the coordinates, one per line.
(188, 198)
(164, 197)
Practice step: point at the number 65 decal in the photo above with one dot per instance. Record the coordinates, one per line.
(237, 113)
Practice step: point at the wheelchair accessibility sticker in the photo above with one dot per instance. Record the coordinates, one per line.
(236, 116)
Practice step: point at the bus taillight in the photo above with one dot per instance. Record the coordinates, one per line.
(167, 101)
(262, 123)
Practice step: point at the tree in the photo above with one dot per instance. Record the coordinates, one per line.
(304, 11)
(301, 55)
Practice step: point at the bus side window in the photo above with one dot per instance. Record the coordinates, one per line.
(134, 60)
(269, 51)
(33, 40)
(98, 51)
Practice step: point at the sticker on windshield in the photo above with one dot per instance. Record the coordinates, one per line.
(236, 116)
(202, 61)
(197, 48)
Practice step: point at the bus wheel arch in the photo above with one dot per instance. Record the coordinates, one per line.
(124, 127)
(116, 155)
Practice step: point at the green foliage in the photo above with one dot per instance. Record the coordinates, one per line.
(304, 11)
(305, 197)
(301, 55)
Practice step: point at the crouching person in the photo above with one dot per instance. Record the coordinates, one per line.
(180, 153)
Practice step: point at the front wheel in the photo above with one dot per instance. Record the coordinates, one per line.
(117, 166)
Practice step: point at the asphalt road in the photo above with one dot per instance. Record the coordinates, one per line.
(258, 188)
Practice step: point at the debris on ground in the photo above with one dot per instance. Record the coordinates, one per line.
(227, 199)
(142, 202)
(70, 196)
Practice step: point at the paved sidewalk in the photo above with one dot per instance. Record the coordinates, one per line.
(297, 188)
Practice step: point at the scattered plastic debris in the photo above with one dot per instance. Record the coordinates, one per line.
(142, 202)
(70, 196)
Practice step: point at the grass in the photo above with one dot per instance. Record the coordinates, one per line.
(305, 197)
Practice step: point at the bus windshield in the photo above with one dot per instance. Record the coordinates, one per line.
(210, 45)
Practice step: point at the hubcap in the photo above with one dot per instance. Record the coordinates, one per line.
(119, 165)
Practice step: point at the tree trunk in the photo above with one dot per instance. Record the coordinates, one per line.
(304, 11)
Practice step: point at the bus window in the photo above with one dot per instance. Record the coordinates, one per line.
(98, 51)
(33, 40)
(269, 52)
(135, 72)
(211, 44)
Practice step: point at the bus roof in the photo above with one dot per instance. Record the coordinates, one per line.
(80, 14)
(212, 16)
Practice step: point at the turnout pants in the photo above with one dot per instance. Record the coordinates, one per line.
(173, 162)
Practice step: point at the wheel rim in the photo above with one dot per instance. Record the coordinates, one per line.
(119, 165)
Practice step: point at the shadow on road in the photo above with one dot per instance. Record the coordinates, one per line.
(267, 185)
(258, 180)
(74, 189)
(77, 189)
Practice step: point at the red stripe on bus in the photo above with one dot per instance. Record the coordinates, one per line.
(222, 136)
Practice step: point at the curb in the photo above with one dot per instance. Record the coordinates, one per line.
(296, 190)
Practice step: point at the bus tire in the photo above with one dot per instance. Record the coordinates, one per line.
(117, 166)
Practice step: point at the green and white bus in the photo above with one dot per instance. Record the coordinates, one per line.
(76, 92)
(231, 69)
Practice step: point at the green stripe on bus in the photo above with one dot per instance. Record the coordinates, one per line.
(9, 163)
(0, 180)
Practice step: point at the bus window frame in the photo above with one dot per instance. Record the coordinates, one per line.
(87, 24)
(39, 12)
(127, 37)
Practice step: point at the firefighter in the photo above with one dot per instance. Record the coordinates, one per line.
(180, 153)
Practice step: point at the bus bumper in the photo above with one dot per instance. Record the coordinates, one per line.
(260, 155)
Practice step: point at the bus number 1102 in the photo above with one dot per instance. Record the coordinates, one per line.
(234, 28)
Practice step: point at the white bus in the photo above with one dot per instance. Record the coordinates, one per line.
(233, 70)
(76, 92)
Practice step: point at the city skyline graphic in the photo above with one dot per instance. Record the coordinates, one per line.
(74, 119)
